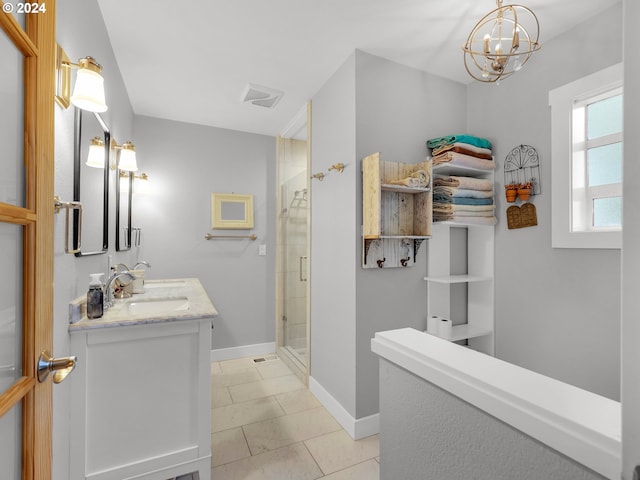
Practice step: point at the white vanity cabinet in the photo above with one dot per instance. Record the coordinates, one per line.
(141, 393)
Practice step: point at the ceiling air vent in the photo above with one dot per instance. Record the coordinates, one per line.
(261, 96)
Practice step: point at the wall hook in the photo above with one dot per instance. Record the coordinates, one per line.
(320, 176)
(339, 167)
(381, 262)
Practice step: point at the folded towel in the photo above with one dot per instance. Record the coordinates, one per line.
(419, 178)
(472, 220)
(470, 183)
(449, 207)
(474, 214)
(462, 160)
(463, 148)
(462, 200)
(462, 192)
(467, 146)
(407, 182)
(462, 138)
(423, 176)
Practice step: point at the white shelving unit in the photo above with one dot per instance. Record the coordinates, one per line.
(465, 297)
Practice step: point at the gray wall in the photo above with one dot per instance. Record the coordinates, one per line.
(186, 163)
(81, 32)
(557, 310)
(333, 231)
(369, 105)
(397, 109)
(427, 433)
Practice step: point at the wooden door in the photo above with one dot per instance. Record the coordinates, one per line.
(26, 235)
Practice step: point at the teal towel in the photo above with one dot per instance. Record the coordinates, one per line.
(461, 200)
(462, 138)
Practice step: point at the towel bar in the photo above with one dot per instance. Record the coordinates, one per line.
(68, 206)
(209, 236)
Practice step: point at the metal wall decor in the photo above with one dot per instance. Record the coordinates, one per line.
(522, 165)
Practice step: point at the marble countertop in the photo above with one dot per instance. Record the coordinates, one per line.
(199, 306)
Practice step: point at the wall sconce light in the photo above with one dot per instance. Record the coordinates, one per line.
(140, 182)
(88, 92)
(501, 43)
(96, 153)
(127, 159)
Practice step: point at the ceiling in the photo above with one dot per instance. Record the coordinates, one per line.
(190, 60)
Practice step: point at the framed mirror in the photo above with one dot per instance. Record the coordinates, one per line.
(231, 211)
(91, 183)
(124, 196)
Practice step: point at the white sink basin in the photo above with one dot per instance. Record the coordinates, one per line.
(158, 306)
(164, 284)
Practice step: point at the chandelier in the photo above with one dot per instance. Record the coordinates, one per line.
(501, 43)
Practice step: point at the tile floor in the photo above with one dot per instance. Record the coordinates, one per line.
(266, 425)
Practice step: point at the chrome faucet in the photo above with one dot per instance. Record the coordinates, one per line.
(120, 267)
(108, 294)
(140, 263)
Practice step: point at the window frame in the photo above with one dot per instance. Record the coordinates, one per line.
(563, 101)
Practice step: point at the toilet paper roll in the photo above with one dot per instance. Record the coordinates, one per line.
(433, 324)
(445, 328)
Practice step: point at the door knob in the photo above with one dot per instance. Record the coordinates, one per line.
(60, 366)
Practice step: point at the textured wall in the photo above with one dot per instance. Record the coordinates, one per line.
(557, 310)
(427, 433)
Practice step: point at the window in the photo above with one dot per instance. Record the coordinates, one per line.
(586, 150)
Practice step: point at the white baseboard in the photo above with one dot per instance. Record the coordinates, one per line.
(356, 428)
(243, 351)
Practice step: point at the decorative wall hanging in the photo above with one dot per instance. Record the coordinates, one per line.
(522, 166)
(231, 211)
(520, 217)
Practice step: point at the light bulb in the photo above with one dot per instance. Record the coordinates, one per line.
(517, 63)
(515, 44)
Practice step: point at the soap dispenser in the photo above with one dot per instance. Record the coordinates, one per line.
(95, 296)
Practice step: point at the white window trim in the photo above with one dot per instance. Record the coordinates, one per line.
(561, 101)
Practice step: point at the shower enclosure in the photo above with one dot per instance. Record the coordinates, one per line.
(292, 258)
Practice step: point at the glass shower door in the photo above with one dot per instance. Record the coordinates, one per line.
(292, 261)
(294, 225)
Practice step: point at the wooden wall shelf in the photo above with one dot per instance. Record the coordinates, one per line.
(396, 219)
